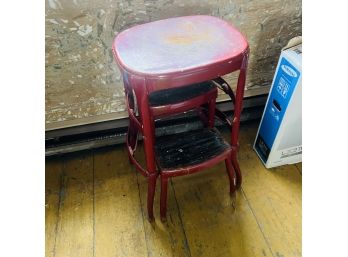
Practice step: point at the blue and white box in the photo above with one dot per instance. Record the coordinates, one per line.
(279, 137)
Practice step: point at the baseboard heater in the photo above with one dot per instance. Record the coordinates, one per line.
(102, 134)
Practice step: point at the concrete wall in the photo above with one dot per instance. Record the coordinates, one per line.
(83, 83)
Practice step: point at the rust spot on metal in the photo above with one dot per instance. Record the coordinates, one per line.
(188, 35)
(185, 40)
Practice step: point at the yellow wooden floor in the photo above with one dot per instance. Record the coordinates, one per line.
(96, 206)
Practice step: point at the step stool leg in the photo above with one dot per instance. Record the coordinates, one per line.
(237, 170)
(164, 189)
(150, 196)
(211, 113)
(231, 175)
(132, 138)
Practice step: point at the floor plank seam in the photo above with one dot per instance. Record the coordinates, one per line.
(182, 224)
(257, 221)
(298, 169)
(61, 185)
(281, 224)
(142, 213)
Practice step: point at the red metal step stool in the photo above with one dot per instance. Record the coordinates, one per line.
(171, 66)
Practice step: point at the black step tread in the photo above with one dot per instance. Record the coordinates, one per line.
(180, 94)
(189, 148)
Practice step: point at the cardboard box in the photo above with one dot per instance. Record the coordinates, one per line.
(279, 137)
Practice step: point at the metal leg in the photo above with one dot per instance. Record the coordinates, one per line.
(132, 136)
(211, 113)
(237, 169)
(164, 189)
(148, 132)
(236, 119)
(231, 175)
(151, 188)
(238, 103)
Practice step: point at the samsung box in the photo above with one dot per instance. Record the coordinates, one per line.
(279, 137)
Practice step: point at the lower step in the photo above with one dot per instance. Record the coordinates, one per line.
(189, 148)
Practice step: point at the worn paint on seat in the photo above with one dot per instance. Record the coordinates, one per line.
(178, 44)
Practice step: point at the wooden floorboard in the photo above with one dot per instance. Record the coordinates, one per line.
(275, 196)
(96, 206)
(162, 239)
(75, 221)
(119, 228)
(215, 223)
(54, 170)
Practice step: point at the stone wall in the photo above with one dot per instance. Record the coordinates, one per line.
(83, 82)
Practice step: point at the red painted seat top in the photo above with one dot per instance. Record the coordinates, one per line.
(177, 44)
